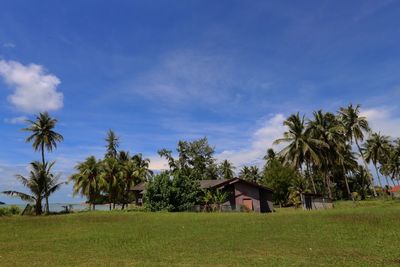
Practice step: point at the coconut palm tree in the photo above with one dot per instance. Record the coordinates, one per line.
(302, 148)
(143, 172)
(41, 183)
(226, 170)
(355, 128)
(87, 180)
(391, 165)
(43, 137)
(329, 131)
(111, 174)
(375, 150)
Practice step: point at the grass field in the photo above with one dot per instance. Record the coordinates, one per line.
(366, 235)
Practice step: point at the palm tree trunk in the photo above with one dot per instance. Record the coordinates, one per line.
(366, 168)
(311, 177)
(45, 184)
(328, 184)
(379, 178)
(38, 207)
(347, 185)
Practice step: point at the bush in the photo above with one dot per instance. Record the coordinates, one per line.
(11, 210)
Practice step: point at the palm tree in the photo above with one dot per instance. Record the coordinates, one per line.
(87, 180)
(375, 150)
(302, 148)
(112, 144)
(219, 198)
(43, 137)
(41, 183)
(270, 156)
(226, 170)
(143, 172)
(111, 177)
(355, 127)
(391, 165)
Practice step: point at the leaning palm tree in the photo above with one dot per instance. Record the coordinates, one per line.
(43, 137)
(302, 148)
(87, 180)
(355, 128)
(41, 183)
(375, 150)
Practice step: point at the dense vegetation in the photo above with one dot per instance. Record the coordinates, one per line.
(345, 236)
(320, 155)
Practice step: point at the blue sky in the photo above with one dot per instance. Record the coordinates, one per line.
(160, 71)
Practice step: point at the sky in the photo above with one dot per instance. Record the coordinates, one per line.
(157, 72)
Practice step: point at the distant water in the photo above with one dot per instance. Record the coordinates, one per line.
(57, 207)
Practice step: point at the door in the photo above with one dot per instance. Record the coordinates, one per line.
(248, 203)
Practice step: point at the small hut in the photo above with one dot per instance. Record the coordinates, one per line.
(315, 202)
(395, 191)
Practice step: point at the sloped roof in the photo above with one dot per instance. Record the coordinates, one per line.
(139, 187)
(207, 184)
(204, 184)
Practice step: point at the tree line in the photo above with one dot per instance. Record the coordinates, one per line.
(327, 154)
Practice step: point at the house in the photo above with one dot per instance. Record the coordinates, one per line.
(315, 201)
(395, 191)
(241, 194)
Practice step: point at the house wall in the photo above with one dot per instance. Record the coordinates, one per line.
(245, 191)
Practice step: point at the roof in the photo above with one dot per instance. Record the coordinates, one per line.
(395, 189)
(205, 184)
(139, 187)
(208, 184)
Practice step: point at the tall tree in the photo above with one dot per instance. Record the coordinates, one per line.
(112, 144)
(355, 127)
(43, 137)
(301, 148)
(226, 170)
(375, 150)
(195, 159)
(41, 183)
(87, 180)
(111, 175)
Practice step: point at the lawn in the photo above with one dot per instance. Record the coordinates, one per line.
(365, 235)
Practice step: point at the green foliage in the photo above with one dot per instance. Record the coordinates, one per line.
(175, 192)
(11, 210)
(41, 183)
(195, 159)
(279, 178)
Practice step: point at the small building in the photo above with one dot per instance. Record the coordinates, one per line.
(395, 191)
(315, 201)
(242, 195)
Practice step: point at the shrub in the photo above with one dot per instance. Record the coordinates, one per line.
(11, 210)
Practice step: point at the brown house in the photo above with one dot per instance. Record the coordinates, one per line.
(241, 194)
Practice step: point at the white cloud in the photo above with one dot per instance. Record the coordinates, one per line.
(383, 120)
(158, 164)
(34, 89)
(16, 120)
(262, 139)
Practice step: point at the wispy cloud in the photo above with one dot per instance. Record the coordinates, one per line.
(188, 77)
(16, 120)
(9, 45)
(34, 89)
(271, 129)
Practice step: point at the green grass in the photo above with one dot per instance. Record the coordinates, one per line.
(365, 235)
